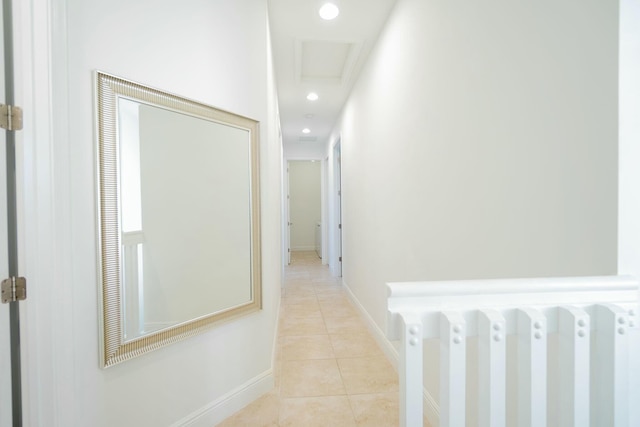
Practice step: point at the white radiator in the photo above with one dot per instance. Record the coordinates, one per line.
(594, 320)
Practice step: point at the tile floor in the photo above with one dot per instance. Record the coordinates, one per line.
(329, 370)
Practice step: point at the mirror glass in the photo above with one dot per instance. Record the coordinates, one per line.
(179, 218)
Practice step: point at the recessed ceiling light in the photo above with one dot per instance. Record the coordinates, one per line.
(312, 96)
(308, 116)
(306, 130)
(329, 11)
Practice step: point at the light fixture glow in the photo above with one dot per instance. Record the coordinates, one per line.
(329, 11)
(312, 96)
(306, 130)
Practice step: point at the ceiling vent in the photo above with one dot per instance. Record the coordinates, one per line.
(321, 61)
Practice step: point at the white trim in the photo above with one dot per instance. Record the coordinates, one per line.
(44, 214)
(230, 403)
(428, 298)
(387, 347)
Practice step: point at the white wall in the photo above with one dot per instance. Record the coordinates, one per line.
(306, 151)
(214, 52)
(480, 141)
(629, 156)
(305, 209)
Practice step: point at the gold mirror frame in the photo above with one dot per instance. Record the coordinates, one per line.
(114, 349)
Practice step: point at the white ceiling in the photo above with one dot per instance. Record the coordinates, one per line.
(314, 55)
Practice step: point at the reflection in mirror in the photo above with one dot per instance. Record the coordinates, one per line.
(179, 217)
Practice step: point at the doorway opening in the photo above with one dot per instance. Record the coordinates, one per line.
(304, 207)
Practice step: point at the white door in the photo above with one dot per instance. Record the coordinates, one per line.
(288, 242)
(338, 191)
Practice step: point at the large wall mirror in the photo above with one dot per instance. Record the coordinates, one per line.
(179, 217)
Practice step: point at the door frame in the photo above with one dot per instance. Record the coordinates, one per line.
(44, 161)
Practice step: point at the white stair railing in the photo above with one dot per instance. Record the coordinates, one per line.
(595, 318)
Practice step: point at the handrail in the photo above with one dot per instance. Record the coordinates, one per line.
(576, 308)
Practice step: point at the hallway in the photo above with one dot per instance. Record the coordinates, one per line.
(329, 370)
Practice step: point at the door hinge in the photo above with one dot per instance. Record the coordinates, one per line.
(339, 226)
(10, 117)
(340, 259)
(14, 289)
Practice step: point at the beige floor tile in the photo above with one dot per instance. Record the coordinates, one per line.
(299, 291)
(311, 325)
(264, 412)
(376, 410)
(325, 275)
(307, 347)
(332, 411)
(327, 301)
(299, 299)
(367, 375)
(298, 284)
(325, 291)
(294, 271)
(338, 309)
(311, 308)
(302, 278)
(306, 378)
(354, 345)
(325, 278)
(345, 325)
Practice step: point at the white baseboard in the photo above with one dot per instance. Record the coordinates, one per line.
(431, 408)
(227, 405)
(387, 346)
